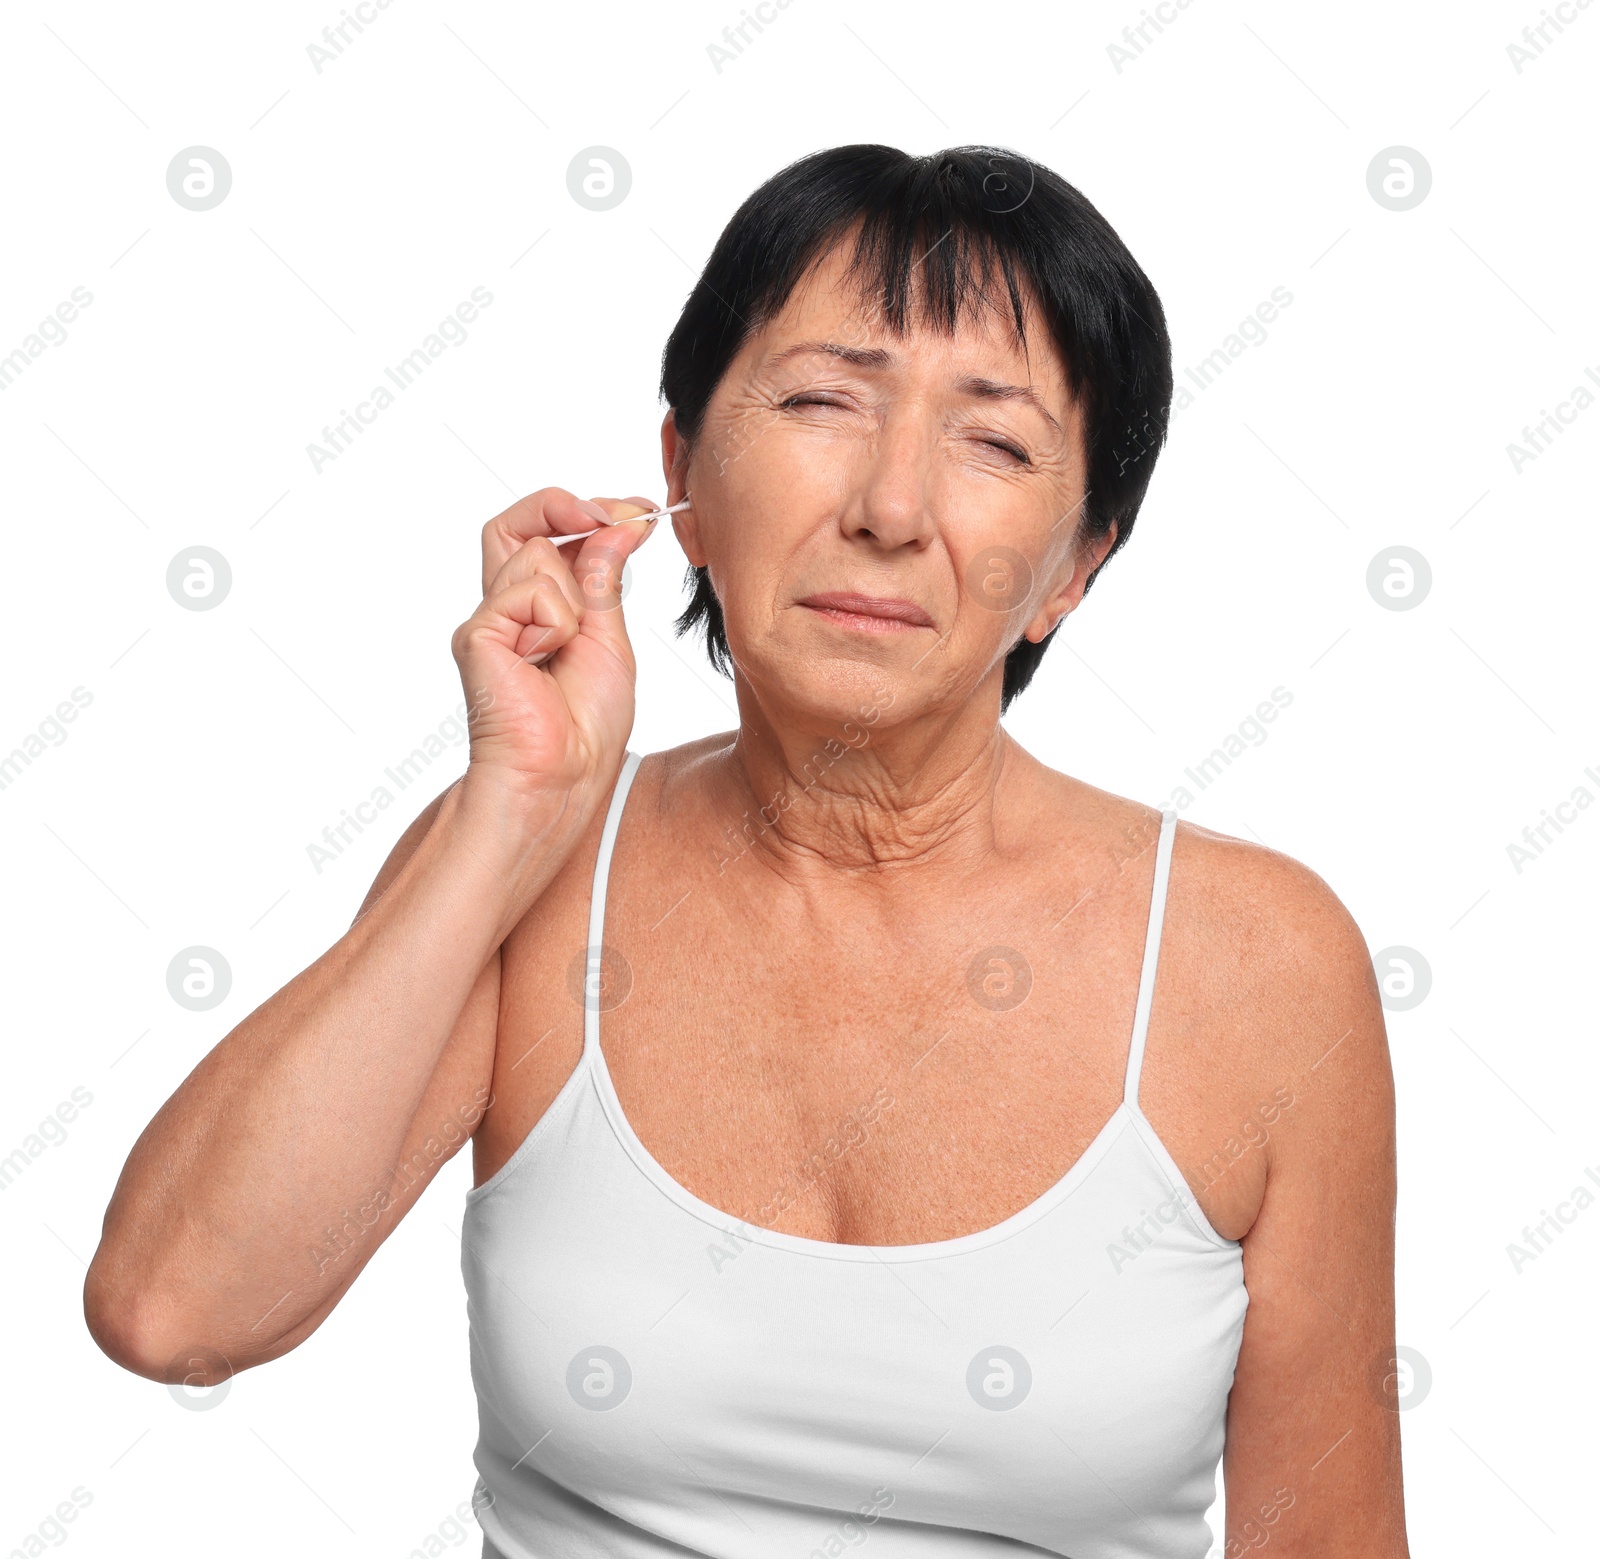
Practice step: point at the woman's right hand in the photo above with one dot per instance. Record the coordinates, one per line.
(545, 660)
(203, 1251)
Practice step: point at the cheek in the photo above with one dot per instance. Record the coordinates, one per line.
(996, 582)
(774, 463)
(750, 532)
(765, 500)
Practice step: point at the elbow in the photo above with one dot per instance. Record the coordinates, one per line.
(119, 1324)
(135, 1330)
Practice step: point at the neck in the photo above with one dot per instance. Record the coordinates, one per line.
(864, 792)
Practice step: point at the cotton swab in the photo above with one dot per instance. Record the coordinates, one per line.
(538, 657)
(655, 514)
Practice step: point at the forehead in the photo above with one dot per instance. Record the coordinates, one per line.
(830, 304)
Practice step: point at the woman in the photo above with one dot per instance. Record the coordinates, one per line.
(842, 1167)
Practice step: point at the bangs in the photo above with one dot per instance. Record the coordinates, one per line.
(932, 240)
(909, 267)
(963, 233)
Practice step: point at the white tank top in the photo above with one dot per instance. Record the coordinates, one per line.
(656, 1378)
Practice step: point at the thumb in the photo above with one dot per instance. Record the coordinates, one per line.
(598, 571)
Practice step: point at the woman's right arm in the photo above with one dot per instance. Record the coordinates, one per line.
(267, 1181)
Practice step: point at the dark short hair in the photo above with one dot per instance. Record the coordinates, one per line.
(956, 217)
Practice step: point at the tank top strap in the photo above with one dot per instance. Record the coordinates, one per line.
(1152, 948)
(594, 956)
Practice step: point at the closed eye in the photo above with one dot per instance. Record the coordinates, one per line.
(812, 398)
(1020, 455)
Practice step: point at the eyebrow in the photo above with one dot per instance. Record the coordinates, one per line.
(876, 357)
(993, 390)
(860, 356)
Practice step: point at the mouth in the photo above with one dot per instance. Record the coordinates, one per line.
(868, 613)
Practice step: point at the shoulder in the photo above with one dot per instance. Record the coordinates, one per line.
(676, 780)
(674, 766)
(1272, 924)
(1256, 946)
(1279, 988)
(1261, 934)
(1257, 908)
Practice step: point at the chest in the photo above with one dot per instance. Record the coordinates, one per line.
(853, 1068)
(977, 1391)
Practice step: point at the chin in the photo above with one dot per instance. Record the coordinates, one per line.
(840, 697)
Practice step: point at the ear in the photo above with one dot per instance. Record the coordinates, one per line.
(1082, 559)
(675, 458)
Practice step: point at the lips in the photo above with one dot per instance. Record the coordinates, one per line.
(880, 611)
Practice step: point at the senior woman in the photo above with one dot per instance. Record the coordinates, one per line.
(876, 1133)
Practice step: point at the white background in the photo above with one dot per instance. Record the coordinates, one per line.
(430, 157)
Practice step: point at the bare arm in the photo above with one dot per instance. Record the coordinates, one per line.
(267, 1181)
(1313, 1451)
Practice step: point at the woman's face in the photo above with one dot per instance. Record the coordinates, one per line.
(883, 515)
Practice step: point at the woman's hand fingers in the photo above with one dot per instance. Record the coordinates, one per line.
(597, 573)
(537, 553)
(552, 511)
(549, 590)
(531, 618)
(540, 555)
(545, 658)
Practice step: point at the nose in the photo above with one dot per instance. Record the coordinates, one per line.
(890, 503)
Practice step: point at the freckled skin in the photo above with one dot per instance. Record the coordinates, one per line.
(782, 973)
(823, 916)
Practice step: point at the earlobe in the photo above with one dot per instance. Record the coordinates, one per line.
(1066, 596)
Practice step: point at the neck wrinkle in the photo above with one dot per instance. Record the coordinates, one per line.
(881, 805)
